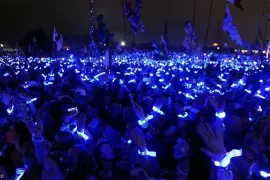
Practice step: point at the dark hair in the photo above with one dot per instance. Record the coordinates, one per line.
(24, 133)
(7, 164)
(85, 165)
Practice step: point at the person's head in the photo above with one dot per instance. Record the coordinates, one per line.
(80, 95)
(263, 126)
(56, 166)
(83, 164)
(104, 154)
(181, 149)
(238, 121)
(7, 168)
(63, 141)
(19, 135)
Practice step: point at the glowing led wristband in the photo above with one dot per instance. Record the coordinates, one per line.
(19, 173)
(10, 110)
(227, 159)
(157, 110)
(148, 118)
(183, 115)
(264, 174)
(221, 115)
(147, 153)
(83, 135)
(31, 100)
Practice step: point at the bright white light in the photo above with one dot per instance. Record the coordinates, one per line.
(1, 45)
(123, 43)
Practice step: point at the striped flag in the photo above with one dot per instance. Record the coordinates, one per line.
(236, 3)
(230, 29)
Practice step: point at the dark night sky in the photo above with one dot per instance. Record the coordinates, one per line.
(72, 17)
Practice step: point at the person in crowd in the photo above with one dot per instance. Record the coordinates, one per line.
(143, 119)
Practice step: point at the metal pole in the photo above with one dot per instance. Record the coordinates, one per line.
(266, 26)
(193, 22)
(260, 22)
(91, 49)
(124, 21)
(208, 23)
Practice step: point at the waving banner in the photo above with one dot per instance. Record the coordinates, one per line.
(191, 40)
(236, 3)
(134, 16)
(230, 29)
(268, 50)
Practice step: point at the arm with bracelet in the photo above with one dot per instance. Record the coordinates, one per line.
(212, 135)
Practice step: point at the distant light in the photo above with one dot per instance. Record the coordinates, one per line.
(123, 43)
(215, 44)
(1, 45)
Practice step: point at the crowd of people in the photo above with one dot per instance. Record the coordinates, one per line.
(189, 117)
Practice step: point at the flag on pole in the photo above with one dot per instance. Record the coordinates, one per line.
(19, 50)
(191, 40)
(60, 43)
(106, 58)
(134, 16)
(236, 3)
(268, 50)
(164, 44)
(55, 36)
(230, 29)
(58, 40)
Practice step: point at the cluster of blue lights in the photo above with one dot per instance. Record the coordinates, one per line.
(158, 75)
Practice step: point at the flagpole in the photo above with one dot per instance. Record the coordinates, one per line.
(166, 30)
(261, 19)
(124, 21)
(53, 46)
(91, 28)
(208, 23)
(266, 25)
(193, 22)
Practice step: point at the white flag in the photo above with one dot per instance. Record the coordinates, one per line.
(230, 29)
(106, 59)
(60, 43)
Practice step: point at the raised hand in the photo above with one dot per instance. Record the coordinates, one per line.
(218, 104)
(139, 174)
(161, 101)
(200, 102)
(138, 139)
(81, 118)
(213, 138)
(139, 111)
